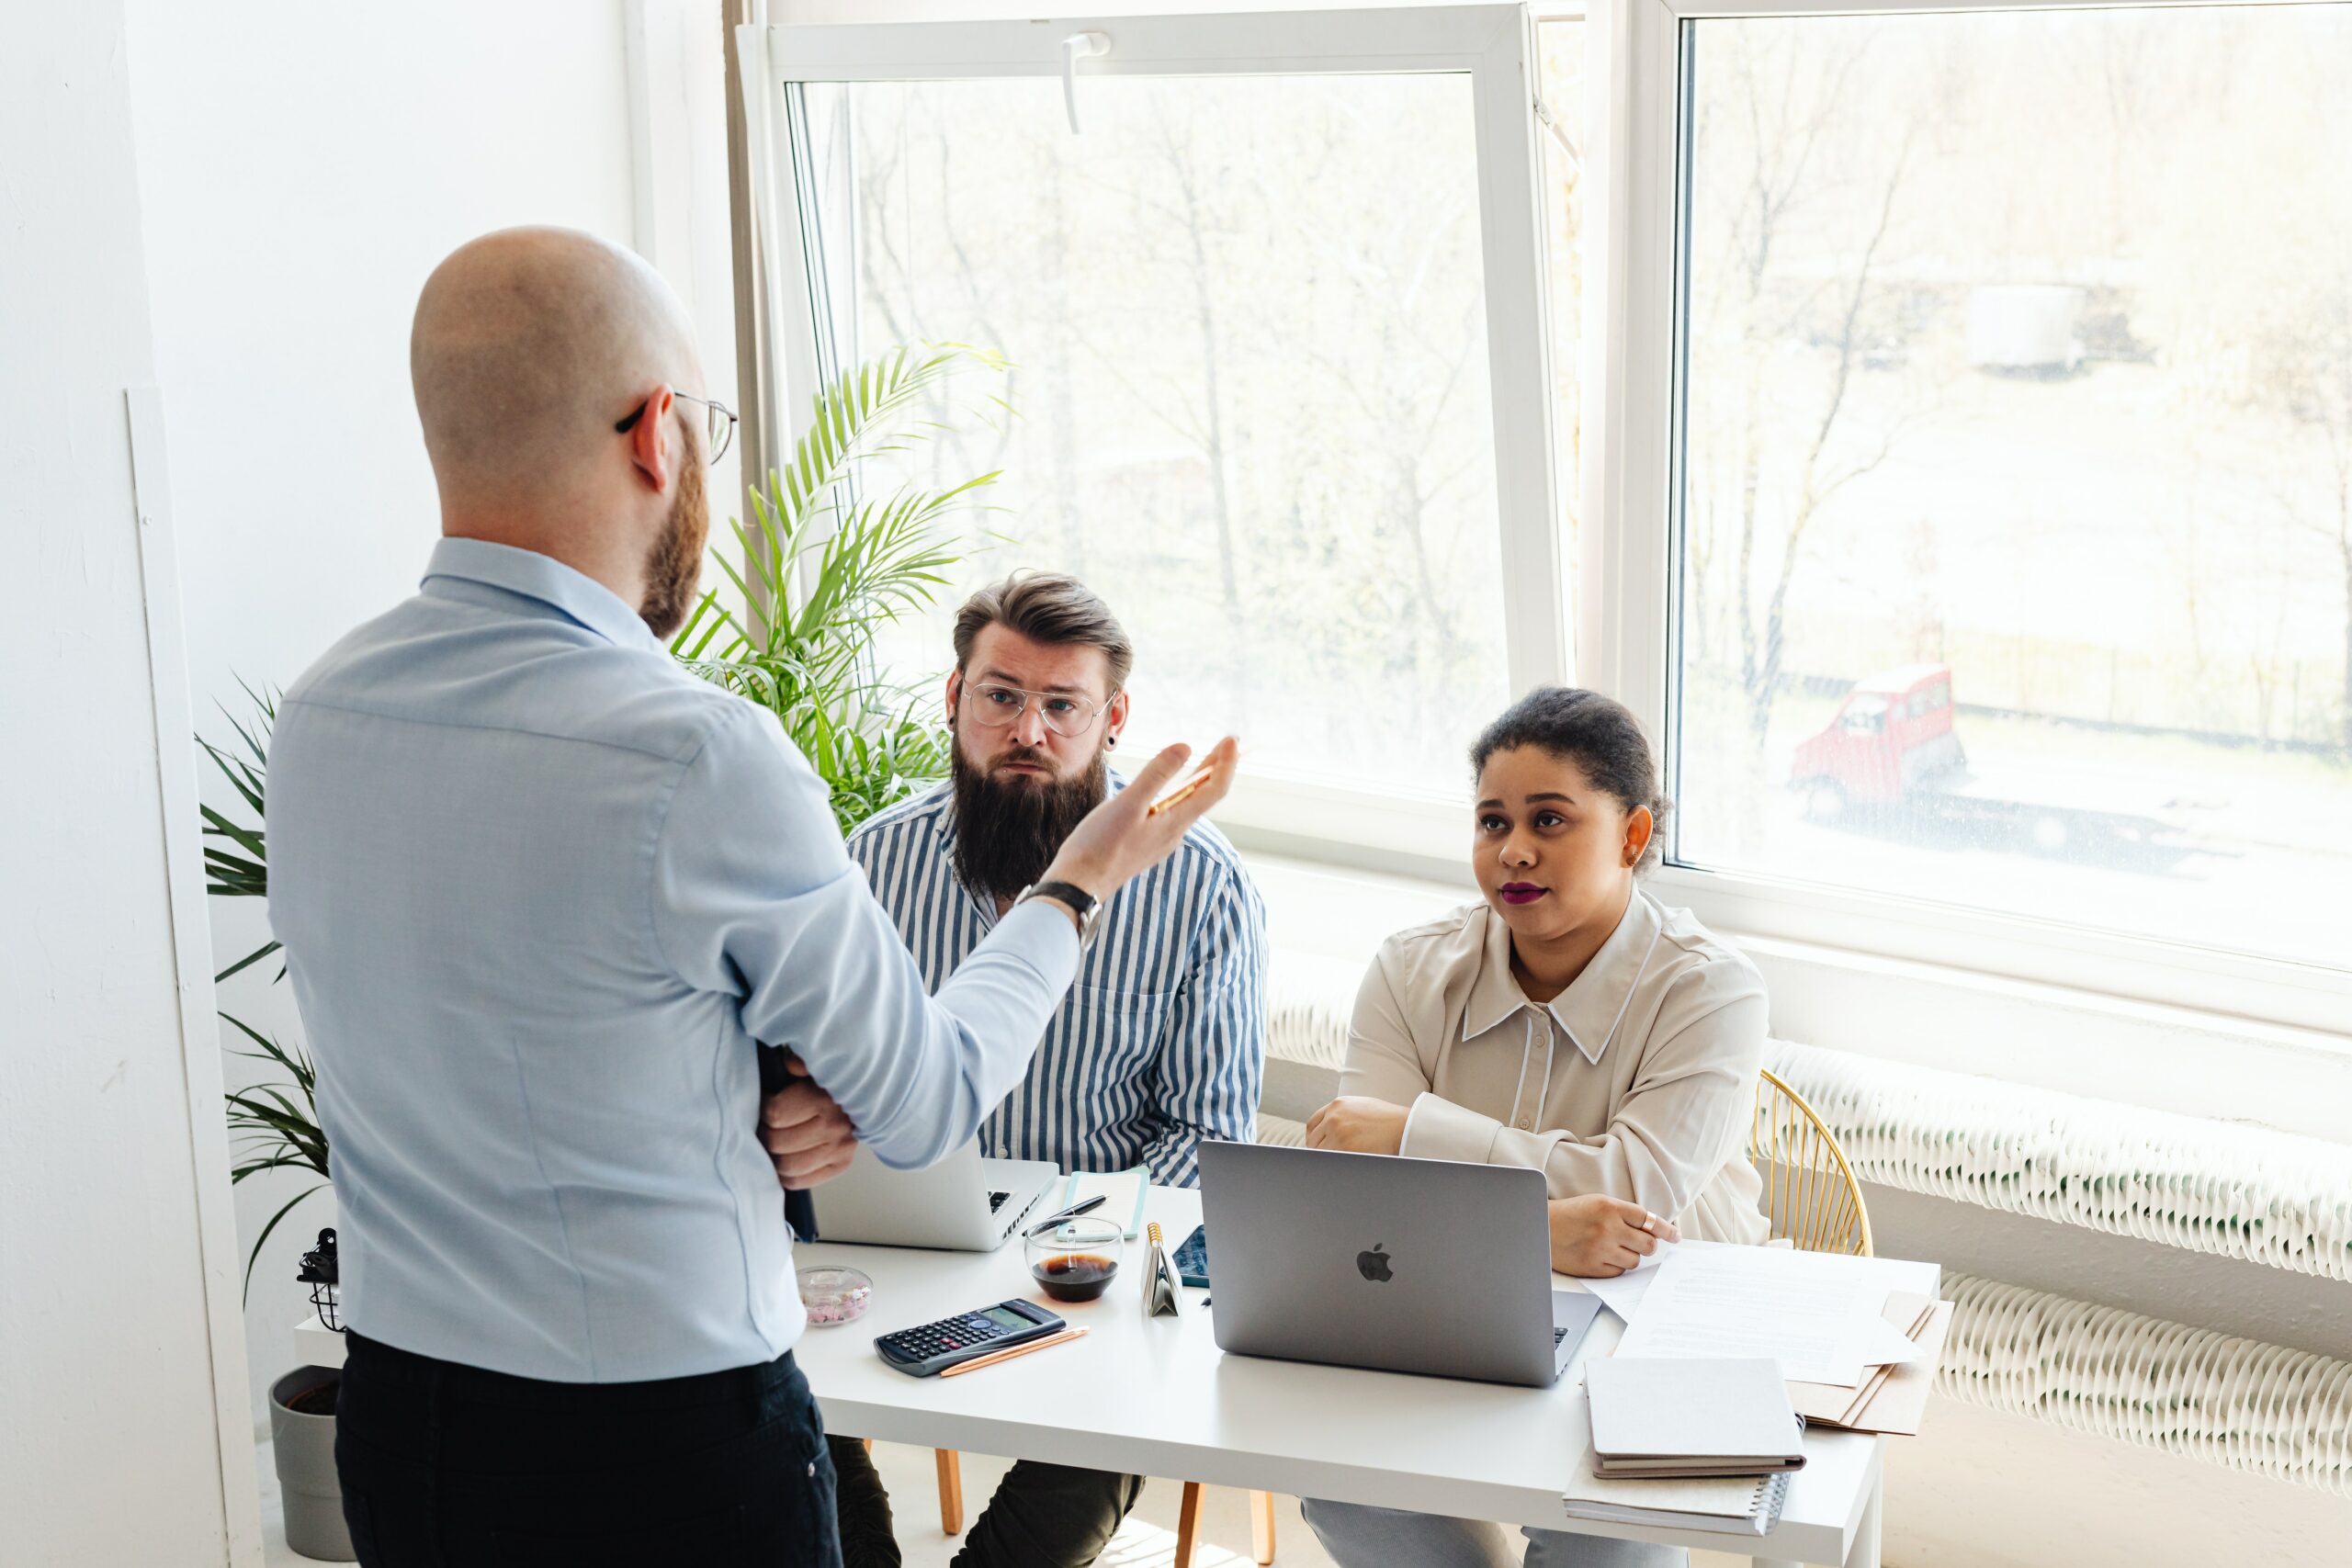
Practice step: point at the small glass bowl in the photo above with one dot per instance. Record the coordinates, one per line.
(1077, 1259)
(834, 1294)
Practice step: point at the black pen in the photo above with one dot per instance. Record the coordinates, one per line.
(1050, 1221)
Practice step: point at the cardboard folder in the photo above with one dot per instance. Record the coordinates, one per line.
(1889, 1399)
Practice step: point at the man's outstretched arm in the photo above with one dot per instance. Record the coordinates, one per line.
(752, 895)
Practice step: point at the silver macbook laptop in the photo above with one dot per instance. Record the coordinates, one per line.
(1373, 1260)
(963, 1203)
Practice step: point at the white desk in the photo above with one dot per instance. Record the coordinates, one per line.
(1159, 1398)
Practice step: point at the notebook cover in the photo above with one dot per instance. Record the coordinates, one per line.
(1728, 1506)
(1684, 1414)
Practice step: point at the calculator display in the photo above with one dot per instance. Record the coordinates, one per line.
(1004, 1319)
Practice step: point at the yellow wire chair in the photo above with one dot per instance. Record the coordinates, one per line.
(1811, 1194)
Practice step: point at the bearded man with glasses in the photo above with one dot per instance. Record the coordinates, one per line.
(1160, 1044)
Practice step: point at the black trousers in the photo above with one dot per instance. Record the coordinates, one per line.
(448, 1466)
(1043, 1516)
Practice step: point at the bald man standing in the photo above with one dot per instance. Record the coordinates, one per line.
(541, 893)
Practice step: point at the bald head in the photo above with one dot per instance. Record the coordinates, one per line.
(528, 345)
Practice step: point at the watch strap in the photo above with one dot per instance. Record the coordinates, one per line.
(1070, 893)
(1085, 905)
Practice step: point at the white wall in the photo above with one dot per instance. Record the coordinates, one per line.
(302, 169)
(112, 1449)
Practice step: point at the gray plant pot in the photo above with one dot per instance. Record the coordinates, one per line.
(308, 1487)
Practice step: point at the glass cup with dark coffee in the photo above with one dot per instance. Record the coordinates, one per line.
(1076, 1259)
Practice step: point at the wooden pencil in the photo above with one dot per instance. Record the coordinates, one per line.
(1182, 792)
(990, 1359)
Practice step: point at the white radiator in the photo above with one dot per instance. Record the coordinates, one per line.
(2205, 1186)
(2239, 1402)
(2209, 1186)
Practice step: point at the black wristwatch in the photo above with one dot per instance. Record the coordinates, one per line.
(1085, 905)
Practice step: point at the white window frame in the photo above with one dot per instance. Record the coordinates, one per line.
(1627, 637)
(1494, 46)
(1831, 954)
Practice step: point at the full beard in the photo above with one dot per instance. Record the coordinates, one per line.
(1008, 828)
(674, 567)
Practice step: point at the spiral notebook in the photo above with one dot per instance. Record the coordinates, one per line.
(1725, 1413)
(1727, 1505)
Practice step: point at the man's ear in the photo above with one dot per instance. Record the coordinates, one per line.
(651, 448)
(1116, 719)
(954, 690)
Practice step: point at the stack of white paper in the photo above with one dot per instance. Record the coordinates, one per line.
(1818, 1315)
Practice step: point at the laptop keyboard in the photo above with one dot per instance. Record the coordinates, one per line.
(996, 1201)
(1559, 1334)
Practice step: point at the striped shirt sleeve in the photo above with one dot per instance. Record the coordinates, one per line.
(1212, 1060)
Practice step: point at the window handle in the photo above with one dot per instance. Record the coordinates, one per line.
(1075, 47)
(1551, 122)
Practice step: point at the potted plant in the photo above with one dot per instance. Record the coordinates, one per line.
(276, 1126)
(831, 558)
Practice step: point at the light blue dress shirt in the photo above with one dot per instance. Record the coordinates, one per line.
(541, 893)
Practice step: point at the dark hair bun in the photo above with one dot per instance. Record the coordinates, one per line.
(1599, 734)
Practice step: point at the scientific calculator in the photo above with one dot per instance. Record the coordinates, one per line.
(928, 1348)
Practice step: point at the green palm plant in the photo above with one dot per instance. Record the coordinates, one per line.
(242, 871)
(827, 566)
(274, 1132)
(275, 1125)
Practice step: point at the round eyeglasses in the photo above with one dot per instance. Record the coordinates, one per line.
(995, 704)
(719, 421)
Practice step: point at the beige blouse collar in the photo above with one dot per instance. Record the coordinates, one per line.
(1588, 1009)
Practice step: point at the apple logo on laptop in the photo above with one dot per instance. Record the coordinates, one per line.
(1373, 1264)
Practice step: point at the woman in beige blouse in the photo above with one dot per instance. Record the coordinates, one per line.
(1568, 1022)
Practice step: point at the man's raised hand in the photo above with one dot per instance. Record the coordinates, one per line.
(1121, 839)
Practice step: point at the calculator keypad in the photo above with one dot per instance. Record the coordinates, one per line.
(948, 1335)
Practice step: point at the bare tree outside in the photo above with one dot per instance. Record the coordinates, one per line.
(1248, 323)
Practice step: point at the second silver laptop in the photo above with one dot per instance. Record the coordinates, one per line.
(1375, 1260)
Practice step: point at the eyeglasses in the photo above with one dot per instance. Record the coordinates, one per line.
(995, 705)
(718, 418)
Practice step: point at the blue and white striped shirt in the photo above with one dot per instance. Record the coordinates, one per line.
(1161, 1042)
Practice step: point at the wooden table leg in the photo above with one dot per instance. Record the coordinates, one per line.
(1261, 1527)
(951, 1491)
(1188, 1524)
